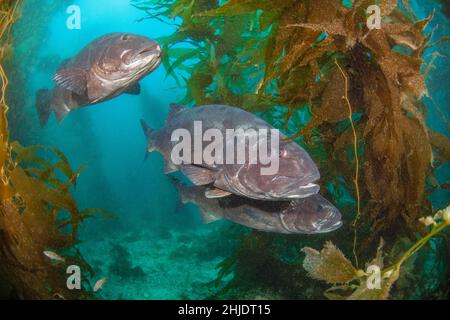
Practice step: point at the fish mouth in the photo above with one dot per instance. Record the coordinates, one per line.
(154, 50)
(311, 215)
(147, 57)
(146, 60)
(336, 226)
(294, 189)
(303, 191)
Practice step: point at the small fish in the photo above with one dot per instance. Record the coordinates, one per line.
(310, 215)
(107, 67)
(296, 175)
(99, 284)
(54, 256)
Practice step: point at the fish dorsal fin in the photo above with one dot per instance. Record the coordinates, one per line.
(208, 216)
(174, 109)
(198, 175)
(216, 193)
(73, 79)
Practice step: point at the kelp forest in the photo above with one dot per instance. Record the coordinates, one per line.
(37, 211)
(353, 98)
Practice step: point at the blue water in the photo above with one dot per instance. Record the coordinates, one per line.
(115, 142)
(157, 232)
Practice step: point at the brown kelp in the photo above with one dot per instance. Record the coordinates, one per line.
(331, 266)
(290, 50)
(37, 210)
(352, 96)
(23, 64)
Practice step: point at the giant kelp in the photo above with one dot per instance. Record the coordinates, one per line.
(37, 209)
(24, 62)
(352, 96)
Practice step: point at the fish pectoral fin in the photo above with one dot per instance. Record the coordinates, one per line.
(209, 217)
(198, 175)
(73, 79)
(216, 193)
(134, 89)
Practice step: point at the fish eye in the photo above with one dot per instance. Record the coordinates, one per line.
(282, 153)
(126, 37)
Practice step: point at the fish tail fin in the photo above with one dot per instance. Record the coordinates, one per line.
(147, 132)
(43, 106)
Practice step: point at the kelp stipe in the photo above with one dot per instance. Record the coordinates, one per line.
(37, 211)
(286, 60)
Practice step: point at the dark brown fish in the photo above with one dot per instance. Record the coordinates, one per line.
(310, 215)
(107, 67)
(295, 177)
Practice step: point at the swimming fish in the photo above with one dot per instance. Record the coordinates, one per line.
(107, 67)
(54, 256)
(99, 284)
(310, 215)
(294, 178)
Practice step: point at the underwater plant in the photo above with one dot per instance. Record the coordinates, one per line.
(352, 97)
(19, 68)
(37, 210)
(331, 266)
